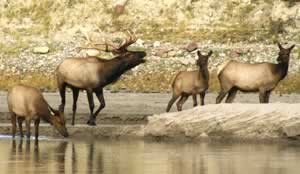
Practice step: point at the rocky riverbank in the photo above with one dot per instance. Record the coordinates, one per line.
(164, 60)
(143, 116)
(37, 35)
(225, 121)
(234, 122)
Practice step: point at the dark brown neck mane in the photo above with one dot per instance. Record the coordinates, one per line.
(203, 71)
(282, 69)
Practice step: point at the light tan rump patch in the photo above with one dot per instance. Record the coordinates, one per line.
(222, 66)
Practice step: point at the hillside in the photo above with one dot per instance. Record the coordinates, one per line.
(246, 27)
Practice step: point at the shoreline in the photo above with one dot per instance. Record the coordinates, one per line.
(135, 133)
(142, 116)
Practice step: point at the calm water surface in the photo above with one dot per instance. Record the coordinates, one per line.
(139, 157)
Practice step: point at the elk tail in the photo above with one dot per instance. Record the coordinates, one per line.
(222, 66)
(174, 79)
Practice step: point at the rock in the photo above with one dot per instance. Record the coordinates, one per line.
(119, 9)
(120, 6)
(253, 121)
(162, 52)
(92, 52)
(156, 44)
(236, 53)
(140, 43)
(292, 130)
(203, 135)
(172, 53)
(222, 54)
(41, 50)
(185, 61)
(191, 47)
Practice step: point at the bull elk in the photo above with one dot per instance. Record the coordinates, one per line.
(93, 74)
(258, 77)
(188, 83)
(27, 103)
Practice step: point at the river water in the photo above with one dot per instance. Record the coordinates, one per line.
(145, 157)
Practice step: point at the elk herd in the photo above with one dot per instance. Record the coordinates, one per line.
(92, 74)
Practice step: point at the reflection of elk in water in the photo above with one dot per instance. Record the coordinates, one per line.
(259, 77)
(27, 103)
(188, 83)
(92, 74)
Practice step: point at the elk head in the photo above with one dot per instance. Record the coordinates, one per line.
(57, 119)
(202, 60)
(131, 58)
(284, 53)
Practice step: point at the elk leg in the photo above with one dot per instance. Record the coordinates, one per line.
(101, 100)
(20, 121)
(181, 102)
(20, 146)
(220, 97)
(171, 102)
(267, 96)
(195, 103)
(91, 105)
(231, 95)
(262, 96)
(36, 126)
(74, 108)
(27, 122)
(14, 124)
(62, 92)
(202, 96)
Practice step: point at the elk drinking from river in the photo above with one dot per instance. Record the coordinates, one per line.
(27, 103)
(92, 74)
(258, 77)
(188, 83)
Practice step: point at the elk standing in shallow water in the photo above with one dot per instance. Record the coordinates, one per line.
(27, 103)
(259, 77)
(188, 83)
(92, 74)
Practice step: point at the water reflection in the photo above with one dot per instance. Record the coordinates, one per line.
(136, 157)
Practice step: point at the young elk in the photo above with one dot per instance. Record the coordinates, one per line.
(188, 83)
(92, 74)
(258, 77)
(27, 103)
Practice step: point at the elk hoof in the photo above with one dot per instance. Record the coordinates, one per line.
(91, 123)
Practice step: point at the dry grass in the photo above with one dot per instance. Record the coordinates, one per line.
(143, 82)
(41, 81)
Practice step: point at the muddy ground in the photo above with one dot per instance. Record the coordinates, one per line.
(133, 108)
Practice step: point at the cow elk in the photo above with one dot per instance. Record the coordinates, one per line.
(27, 103)
(258, 77)
(93, 74)
(188, 83)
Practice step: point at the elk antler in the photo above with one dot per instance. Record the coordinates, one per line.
(109, 47)
(128, 41)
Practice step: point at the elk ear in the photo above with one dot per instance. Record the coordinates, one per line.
(52, 111)
(291, 47)
(279, 46)
(60, 110)
(199, 53)
(210, 53)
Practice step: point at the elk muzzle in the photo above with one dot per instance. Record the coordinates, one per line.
(60, 127)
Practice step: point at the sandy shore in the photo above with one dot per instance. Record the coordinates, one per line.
(132, 108)
(143, 115)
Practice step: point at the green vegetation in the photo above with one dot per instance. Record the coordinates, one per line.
(42, 19)
(39, 80)
(8, 49)
(32, 21)
(145, 82)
